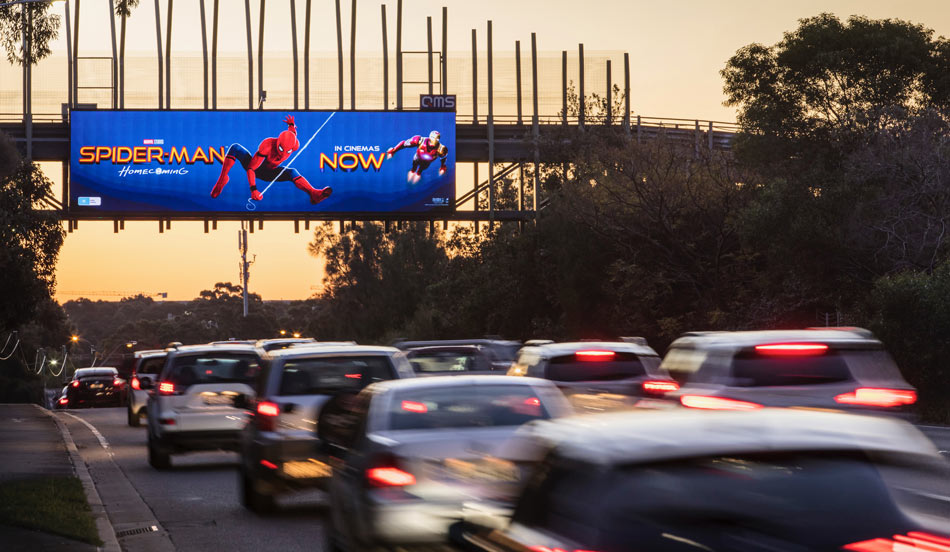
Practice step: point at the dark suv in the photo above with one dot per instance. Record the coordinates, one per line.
(836, 368)
(597, 376)
(279, 444)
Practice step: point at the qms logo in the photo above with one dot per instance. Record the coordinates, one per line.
(437, 102)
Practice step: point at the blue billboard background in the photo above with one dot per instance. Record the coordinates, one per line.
(169, 161)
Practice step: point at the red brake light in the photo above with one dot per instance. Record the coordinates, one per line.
(268, 409)
(266, 418)
(869, 396)
(532, 401)
(660, 386)
(595, 355)
(268, 464)
(75, 383)
(166, 388)
(914, 540)
(116, 382)
(705, 402)
(64, 400)
(791, 349)
(136, 384)
(389, 477)
(354, 376)
(413, 406)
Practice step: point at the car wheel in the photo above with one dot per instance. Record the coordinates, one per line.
(158, 457)
(254, 500)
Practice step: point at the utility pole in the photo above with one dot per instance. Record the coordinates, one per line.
(245, 266)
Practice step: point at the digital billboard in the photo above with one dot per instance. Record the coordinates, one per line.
(261, 161)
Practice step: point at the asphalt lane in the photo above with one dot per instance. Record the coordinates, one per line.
(197, 500)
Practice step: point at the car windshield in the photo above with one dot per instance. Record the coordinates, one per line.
(465, 406)
(595, 367)
(430, 362)
(331, 375)
(212, 367)
(750, 369)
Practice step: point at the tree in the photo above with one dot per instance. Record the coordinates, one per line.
(43, 27)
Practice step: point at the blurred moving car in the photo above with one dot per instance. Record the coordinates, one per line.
(451, 360)
(146, 367)
(598, 375)
(62, 401)
(500, 352)
(410, 452)
(772, 480)
(99, 386)
(282, 342)
(836, 368)
(198, 402)
(278, 446)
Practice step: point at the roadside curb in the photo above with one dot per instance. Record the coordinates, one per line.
(103, 525)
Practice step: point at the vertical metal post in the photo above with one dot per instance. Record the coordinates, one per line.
(214, 57)
(709, 136)
(535, 130)
(121, 62)
(76, 57)
(429, 50)
(161, 64)
(626, 93)
(638, 129)
(581, 107)
(491, 135)
(444, 79)
(610, 98)
(306, 58)
(293, 42)
(564, 86)
(69, 62)
(204, 50)
(385, 60)
(260, 56)
(168, 56)
(115, 55)
(475, 86)
(25, 63)
(250, 55)
(28, 87)
(339, 51)
(696, 136)
(353, 56)
(399, 55)
(518, 78)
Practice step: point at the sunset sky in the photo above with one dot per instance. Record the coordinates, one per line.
(677, 48)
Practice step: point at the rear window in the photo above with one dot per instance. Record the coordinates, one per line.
(610, 367)
(466, 406)
(110, 372)
(151, 366)
(331, 375)
(750, 369)
(214, 368)
(433, 362)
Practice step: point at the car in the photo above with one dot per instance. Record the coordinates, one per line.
(278, 451)
(62, 401)
(833, 368)
(95, 386)
(198, 402)
(598, 375)
(681, 481)
(452, 360)
(146, 367)
(500, 351)
(282, 342)
(409, 453)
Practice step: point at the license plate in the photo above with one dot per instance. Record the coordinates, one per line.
(486, 469)
(95, 386)
(218, 400)
(304, 469)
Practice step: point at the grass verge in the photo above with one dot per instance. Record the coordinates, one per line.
(50, 504)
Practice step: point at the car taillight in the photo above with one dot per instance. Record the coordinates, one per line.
(166, 388)
(791, 349)
(555, 549)
(266, 417)
(914, 540)
(413, 406)
(136, 384)
(64, 400)
(706, 402)
(389, 477)
(75, 383)
(660, 386)
(116, 382)
(593, 355)
(870, 396)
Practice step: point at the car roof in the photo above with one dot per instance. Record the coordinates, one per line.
(637, 437)
(213, 348)
(447, 348)
(149, 352)
(557, 349)
(319, 350)
(737, 340)
(262, 342)
(95, 370)
(455, 381)
(407, 344)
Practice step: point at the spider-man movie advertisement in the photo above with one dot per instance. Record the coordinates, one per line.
(261, 161)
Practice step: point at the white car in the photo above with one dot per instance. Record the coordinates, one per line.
(146, 368)
(199, 400)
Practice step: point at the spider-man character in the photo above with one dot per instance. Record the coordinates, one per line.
(266, 164)
(427, 149)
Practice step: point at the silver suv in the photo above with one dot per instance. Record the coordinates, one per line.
(146, 367)
(828, 368)
(278, 446)
(193, 405)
